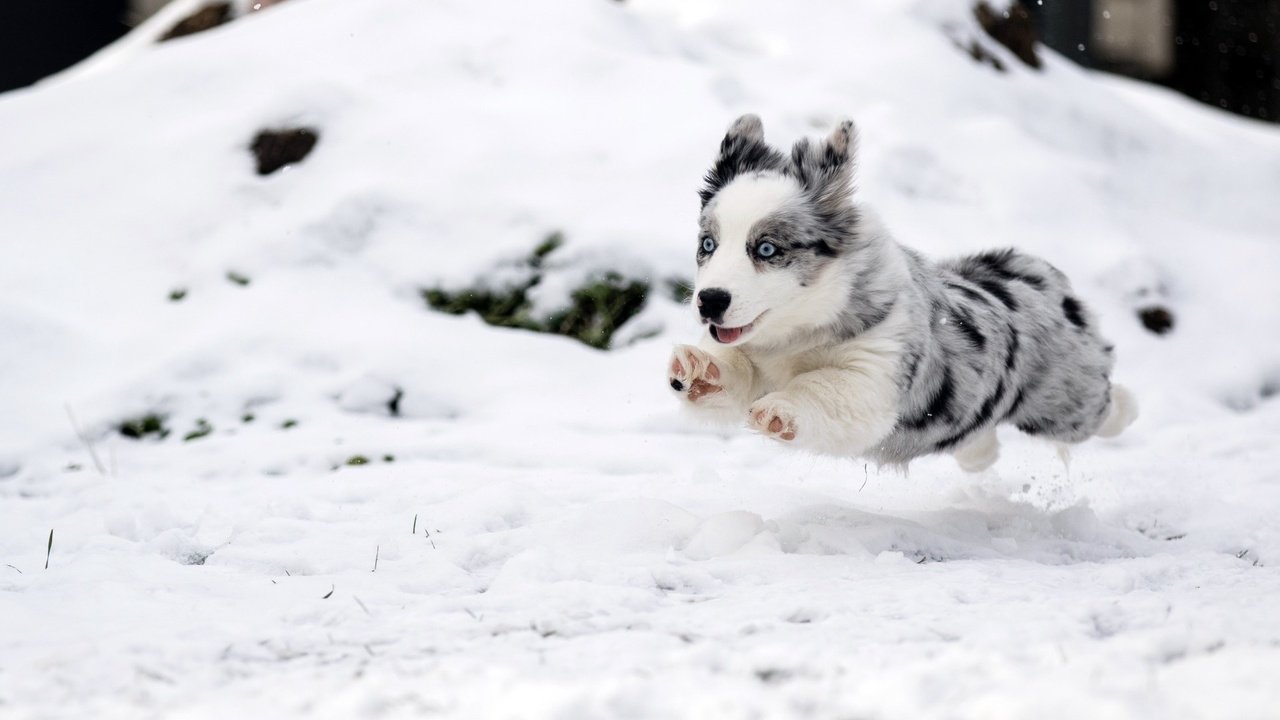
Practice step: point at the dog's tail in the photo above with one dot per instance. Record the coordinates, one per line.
(1123, 411)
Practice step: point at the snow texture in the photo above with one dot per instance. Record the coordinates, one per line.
(535, 531)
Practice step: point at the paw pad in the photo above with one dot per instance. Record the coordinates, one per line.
(772, 421)
(693, 372)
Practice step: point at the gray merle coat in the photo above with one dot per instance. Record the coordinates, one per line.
(824, 333)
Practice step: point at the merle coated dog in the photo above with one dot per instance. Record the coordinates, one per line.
(826, 334)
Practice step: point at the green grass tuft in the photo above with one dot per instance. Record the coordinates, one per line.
(202, 429)
(177, 294)
(357, 460)
(140, 427)
(599, 308)
(238, 278)
(545, 248)
(596, 309)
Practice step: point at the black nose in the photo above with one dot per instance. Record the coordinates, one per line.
(712, 303)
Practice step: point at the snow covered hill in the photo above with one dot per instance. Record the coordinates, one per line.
(344, 504)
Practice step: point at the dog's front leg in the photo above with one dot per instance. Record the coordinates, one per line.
(834, 411)
(715, 382)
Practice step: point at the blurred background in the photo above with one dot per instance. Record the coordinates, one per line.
(1221, 52)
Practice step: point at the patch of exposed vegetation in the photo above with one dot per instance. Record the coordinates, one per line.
(357, 460)
(596, 309)
(599, 308)
(288, 424)
(238, 278)
(140, 427)
(177, 294)
(201, 429)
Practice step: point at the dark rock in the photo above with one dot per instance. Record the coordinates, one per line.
(275, 149)
(263, 4)
(1157, 319)
(983, 55)
(207, 17)
(1012, 28)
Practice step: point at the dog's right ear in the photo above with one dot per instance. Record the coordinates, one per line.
(743, 150)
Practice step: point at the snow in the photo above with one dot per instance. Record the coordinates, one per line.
(538, 531)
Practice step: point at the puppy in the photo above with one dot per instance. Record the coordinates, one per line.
(826, 334)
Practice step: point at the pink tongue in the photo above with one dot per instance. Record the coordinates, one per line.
(728, 335)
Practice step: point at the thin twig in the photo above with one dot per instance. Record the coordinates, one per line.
(376, 552)
(93, 454)
(49, 550)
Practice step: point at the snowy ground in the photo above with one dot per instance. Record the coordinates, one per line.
(538, 533)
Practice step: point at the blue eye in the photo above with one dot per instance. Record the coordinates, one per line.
(766, 249)
(708, 245)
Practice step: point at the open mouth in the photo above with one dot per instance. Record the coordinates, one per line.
(727, 335)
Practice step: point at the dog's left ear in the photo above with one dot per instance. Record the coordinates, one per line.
(826, 169)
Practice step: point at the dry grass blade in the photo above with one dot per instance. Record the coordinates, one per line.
(93, 454)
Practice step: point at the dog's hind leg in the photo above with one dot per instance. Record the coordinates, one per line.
(1121, 414)
(980, 453)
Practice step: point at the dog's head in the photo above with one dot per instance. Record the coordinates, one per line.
(772, 230)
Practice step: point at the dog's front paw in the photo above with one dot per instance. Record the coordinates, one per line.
(773, 416)
(693, 373)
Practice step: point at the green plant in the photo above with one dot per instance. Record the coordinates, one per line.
(596, 309)
(202, 429)
(140, 427)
